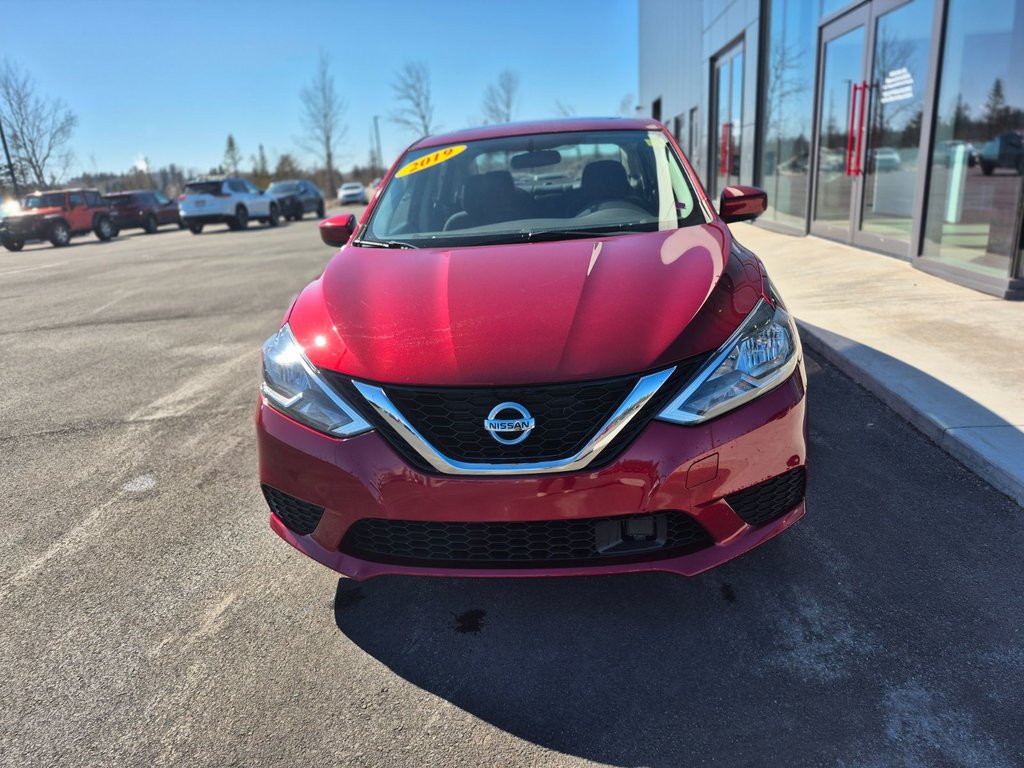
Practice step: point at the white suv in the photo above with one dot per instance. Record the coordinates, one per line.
(230, 201)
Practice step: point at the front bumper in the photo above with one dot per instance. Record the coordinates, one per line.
(665, 468)
(25, 228)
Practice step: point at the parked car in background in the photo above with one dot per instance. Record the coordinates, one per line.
(144, 209)
(490, 381)
(1004, 151)
(297, 197)
(231, 201)
(886, 159)
(58, 216)
(352, 192)
(947, 151)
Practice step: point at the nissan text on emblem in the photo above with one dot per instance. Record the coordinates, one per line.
(510, 419)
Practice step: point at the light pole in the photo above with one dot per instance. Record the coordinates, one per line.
(376, 133)
(10, 165)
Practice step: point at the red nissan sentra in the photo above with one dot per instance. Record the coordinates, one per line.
(540, 352)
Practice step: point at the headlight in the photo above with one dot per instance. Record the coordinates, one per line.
(760, 355)
(292, 386)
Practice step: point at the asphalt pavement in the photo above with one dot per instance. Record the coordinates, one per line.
(148, 616)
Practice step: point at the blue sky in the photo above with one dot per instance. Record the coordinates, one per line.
(169, 80)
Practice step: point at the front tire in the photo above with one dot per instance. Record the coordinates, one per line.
(275, 217)
(320, 210)
(987, 167)
(195, 229)
(105, 229)
(150, 225)
(299, 213)
(60, 235)
(241, 219)
(12, 244)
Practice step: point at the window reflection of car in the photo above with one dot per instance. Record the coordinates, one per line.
(947, 152)
(886, 159)
(1004, 151)
(831, 160)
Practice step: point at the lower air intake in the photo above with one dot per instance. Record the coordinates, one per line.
(771, 499)
(524, 544)
(299, 516)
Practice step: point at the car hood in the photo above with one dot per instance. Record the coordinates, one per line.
(35, 212)
(524, 313)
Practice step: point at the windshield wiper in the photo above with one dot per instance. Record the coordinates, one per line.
(383, 244)
(546, 235)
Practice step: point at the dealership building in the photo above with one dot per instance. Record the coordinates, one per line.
(891, 125)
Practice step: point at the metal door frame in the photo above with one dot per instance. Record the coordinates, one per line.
(729, 51)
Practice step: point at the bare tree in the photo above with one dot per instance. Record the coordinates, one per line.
(38, 129)
(322, 113)
(500, 98)
(412, 90)
(564, 110)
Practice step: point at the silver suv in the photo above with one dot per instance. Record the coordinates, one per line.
(230, 201)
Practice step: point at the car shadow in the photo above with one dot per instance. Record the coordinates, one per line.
(840, 639)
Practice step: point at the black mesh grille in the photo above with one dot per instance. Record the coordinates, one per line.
(299, 516)
(512, 544)
(773, 498)
(567, 416)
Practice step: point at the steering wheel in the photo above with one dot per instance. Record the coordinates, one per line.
(607, 205)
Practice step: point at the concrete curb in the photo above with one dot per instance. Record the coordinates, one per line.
(973, 454)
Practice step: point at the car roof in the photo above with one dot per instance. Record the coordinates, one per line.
(131, 192)
(63, 190)
(563, 125)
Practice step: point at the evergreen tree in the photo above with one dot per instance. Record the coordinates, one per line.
(232, 157)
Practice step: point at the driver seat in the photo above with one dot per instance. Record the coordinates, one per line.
(604, 181)
(487, 198)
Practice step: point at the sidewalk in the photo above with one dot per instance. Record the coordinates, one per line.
(947, 358)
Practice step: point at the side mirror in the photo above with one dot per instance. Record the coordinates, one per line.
(742, 203)
(337, 230)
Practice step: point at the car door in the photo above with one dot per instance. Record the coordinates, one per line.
(78, 215)
(306, 197)
(259, 204)
(166, 210)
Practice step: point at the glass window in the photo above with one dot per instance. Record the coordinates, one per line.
(977, 161)
(789, 110)
(548, 186)
(895, 106)
(162, 199)
(75, 199)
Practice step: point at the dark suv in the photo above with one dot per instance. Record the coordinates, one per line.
(58, 216)
(297, 197)
(144, 209)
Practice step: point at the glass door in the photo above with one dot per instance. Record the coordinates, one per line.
(873, 69)
(892, 136)
(841, 92)
(727, 111)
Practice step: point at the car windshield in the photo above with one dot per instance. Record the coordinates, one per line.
(120, 201)
(545, 186)
(52, 200)
(283, 187)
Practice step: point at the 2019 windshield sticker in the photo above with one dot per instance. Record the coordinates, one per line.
(429, 161)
